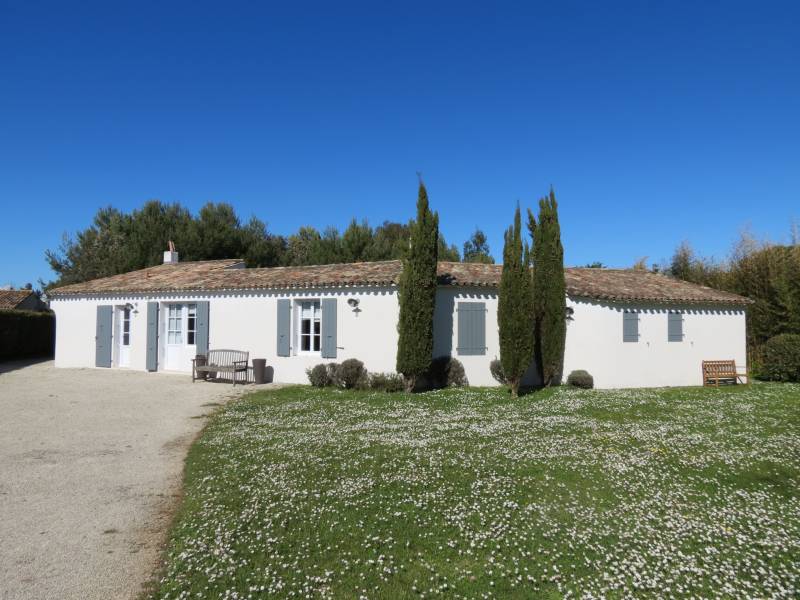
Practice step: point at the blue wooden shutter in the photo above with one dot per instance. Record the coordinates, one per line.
(328, 328)
(102, 338)
(675, 327)
(151, 361)
(201, 325)
(284, 326)
(630, 327)
(471, 329)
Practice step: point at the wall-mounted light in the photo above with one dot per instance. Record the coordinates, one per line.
(353, 303)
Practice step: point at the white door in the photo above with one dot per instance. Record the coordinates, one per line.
(124, 337)
(173, 349)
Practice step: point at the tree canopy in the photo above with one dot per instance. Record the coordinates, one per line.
(515, 317)
(476, 249)
(117, 242)
(417, 294)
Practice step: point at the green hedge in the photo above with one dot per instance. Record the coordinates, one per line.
(781, 358)
(25, 333)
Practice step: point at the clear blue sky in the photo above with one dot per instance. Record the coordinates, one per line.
(654, 121)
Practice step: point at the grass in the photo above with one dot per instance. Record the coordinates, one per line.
(314, 493)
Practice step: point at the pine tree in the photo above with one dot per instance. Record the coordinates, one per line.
(476, 249)
(549, 291)
(417, 294)
(514, 307)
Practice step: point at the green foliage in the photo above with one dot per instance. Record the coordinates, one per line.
(117, 242)
(350, 374)
(462, 494)
(447, 371)
(318, 375)
(496, 369)
(476, 249)
(386, 382)
(549, 291)
(515, 307)
(768, 274)
(417, 294)
(781, 358)
(580, 379)
(26, 333)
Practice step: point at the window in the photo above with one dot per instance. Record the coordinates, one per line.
(191, 324)
(675, 326)
(310, 326)
(174, 324)
(630, 326)
(126, 326)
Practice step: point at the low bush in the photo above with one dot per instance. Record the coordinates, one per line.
(446, 371)
(580, 379)
(781, 358)
(351, 374)
(318, 375)
(386, 382)
(496, 368)
(332, 368)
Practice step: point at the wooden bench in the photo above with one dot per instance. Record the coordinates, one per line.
(722, 371)
(220, 361)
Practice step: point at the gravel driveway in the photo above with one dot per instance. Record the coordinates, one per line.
(90, 470)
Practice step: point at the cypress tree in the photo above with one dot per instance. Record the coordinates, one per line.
(549, 291)
(417, 294)
(514, 307)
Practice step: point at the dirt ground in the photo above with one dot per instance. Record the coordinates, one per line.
(90, 470)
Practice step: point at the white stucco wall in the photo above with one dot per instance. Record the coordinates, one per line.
(445, 330)
(241, 321)
(248, 321)
(76, 321)
(594, 343)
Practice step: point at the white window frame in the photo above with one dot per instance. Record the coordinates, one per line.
(126, 331)
(191, 328)
(298, 326)
(177, 319)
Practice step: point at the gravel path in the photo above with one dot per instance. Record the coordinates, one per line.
(90, 470)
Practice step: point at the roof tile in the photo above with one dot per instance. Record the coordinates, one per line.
(605, 284)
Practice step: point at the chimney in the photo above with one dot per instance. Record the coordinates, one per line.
(170, 256)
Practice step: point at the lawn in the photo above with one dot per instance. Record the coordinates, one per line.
(314, 493)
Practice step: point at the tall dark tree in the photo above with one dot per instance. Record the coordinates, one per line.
(476, 249)
(448, 252)
(356, 241)
(549, 291)
(515, 307)
(417, 294)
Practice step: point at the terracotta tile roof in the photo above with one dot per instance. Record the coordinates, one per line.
(13, 298)
(630, 285)
(605, 284)
(191, 275)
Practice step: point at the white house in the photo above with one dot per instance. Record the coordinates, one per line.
(627, 328)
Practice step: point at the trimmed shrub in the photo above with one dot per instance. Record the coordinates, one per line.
(496, 369)
(386, 382)
(332, 368)
(781, 358)
(351, 373)
(446, 371)
(318, 376)
(580, 379)
(25, 333)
